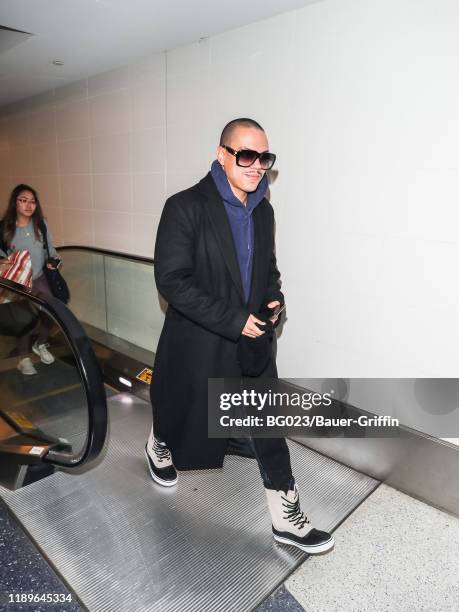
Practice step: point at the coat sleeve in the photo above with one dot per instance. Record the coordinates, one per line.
(173, 261)
(273, 291)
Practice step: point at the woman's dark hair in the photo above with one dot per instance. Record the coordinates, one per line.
(9, 219)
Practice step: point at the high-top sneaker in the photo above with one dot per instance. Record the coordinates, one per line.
(160, 464)
(290, 524)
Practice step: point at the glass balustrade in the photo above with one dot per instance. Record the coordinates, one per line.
(114, 294)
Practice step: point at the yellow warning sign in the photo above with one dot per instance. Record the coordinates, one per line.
(21, 420)
(145, 375)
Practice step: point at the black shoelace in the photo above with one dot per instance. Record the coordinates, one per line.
(294, 514)
(162, 452)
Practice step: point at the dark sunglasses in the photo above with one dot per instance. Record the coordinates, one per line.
(247, 157)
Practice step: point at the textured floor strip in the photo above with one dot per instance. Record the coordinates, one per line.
(124, 543)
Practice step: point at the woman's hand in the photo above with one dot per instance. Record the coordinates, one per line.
(5, 262)
(54, 263)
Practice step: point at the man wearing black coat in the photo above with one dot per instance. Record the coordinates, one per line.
(215, 266)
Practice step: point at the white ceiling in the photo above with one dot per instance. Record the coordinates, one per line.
(92, 36)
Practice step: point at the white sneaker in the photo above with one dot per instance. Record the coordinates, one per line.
(159, 460)
(26, 367)
(42, 351)
(291, 525)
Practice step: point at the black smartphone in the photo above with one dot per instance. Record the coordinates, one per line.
(55, 262)
(278, 310)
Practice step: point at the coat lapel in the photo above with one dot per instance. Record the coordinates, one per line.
(257, 263)
(220, 222)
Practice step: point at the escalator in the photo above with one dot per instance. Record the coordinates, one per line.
(119, 540)
(58, 415)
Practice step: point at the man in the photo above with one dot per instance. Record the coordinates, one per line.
(216, 268)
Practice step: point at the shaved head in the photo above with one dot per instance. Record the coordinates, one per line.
(230, 127)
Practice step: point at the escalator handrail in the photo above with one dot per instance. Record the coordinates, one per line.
(89, 371)
(99, 251)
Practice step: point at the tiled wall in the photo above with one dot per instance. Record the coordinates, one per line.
(360, 102)
(359, 98)
(96, 152)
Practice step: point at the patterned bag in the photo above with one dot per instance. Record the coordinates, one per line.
(19, 272)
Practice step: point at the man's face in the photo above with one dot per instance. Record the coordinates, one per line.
(243, 180)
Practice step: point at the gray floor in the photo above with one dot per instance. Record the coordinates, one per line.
(124, 543)
(280, 601)
(393, 553)
(23, 570)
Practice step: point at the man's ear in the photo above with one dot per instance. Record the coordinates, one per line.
(221, 156)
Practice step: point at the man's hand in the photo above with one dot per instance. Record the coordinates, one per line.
(250, 329)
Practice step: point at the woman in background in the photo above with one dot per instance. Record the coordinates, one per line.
(20, 231)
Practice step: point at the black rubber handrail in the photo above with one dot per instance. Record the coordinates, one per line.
(89, 370)
(107, 252)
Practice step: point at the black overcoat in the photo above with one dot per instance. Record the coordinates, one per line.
(197, 273)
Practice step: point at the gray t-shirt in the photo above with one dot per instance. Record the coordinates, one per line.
(24, 240)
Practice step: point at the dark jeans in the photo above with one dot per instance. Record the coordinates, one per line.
(273, 459)
(44, 323)
(272, 455)
(17, 319)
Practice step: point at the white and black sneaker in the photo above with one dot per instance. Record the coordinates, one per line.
(290, 524)
(160, 464)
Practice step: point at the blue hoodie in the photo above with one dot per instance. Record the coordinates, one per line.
(240, 218)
